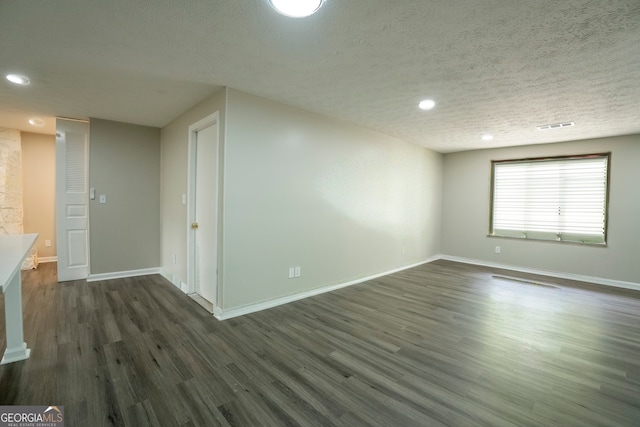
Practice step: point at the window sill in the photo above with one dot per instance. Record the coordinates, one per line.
(567, 242)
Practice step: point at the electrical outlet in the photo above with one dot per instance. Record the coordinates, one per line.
(47, 242)
(292, 272)
(497, 249)
(297, 272)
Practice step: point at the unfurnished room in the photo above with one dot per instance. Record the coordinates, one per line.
(319, 213)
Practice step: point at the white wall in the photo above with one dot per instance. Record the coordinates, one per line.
(467, 181)
(38, 189)
(341, 202)
(173, 183)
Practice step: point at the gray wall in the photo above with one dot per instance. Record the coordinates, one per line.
(124, 164)
(465, 213)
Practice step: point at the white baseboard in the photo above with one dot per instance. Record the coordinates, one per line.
(217, 313)
(557, 274)
(175, 280)
(45, 259)
(123, 274)
(264, 305)
(252, 308)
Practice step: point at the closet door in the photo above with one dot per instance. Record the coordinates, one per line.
(72, 201)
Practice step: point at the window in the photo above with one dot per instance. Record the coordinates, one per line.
(560, 198)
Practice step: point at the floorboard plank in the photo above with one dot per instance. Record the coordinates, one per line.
(440, 344)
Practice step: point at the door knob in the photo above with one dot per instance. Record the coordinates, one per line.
(194, 225)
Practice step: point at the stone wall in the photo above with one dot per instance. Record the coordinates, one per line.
(11, 213)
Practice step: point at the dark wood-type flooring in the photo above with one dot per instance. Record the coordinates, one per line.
(440, 344)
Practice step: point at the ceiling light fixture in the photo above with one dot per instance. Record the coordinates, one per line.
(296, 8)
(18, 79)
(37, 122)
(427, 104)
(487, 137)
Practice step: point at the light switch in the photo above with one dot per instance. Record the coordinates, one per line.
(103, 198)
(92, 193)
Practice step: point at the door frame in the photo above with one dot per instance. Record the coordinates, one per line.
(191, 204)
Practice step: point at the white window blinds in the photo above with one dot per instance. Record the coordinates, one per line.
(563, 199)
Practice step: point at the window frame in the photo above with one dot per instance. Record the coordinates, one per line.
(606, 155)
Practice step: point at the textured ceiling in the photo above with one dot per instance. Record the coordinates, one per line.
(493, 66)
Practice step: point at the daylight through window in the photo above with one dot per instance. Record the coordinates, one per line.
(561, 198)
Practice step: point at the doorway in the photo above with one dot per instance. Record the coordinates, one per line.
(202, 242)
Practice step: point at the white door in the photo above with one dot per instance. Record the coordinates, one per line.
(203, 258)
(72, 202)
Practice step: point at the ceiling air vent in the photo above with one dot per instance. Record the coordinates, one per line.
(555, 126)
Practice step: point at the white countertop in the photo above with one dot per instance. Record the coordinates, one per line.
(13, 250)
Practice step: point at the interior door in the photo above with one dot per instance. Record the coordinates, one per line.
(72, 202)
(204, 146)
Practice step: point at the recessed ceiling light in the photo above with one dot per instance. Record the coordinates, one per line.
(427, 104)
(487, 137)
(296, 8)
(37, 122)
(18, 79)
